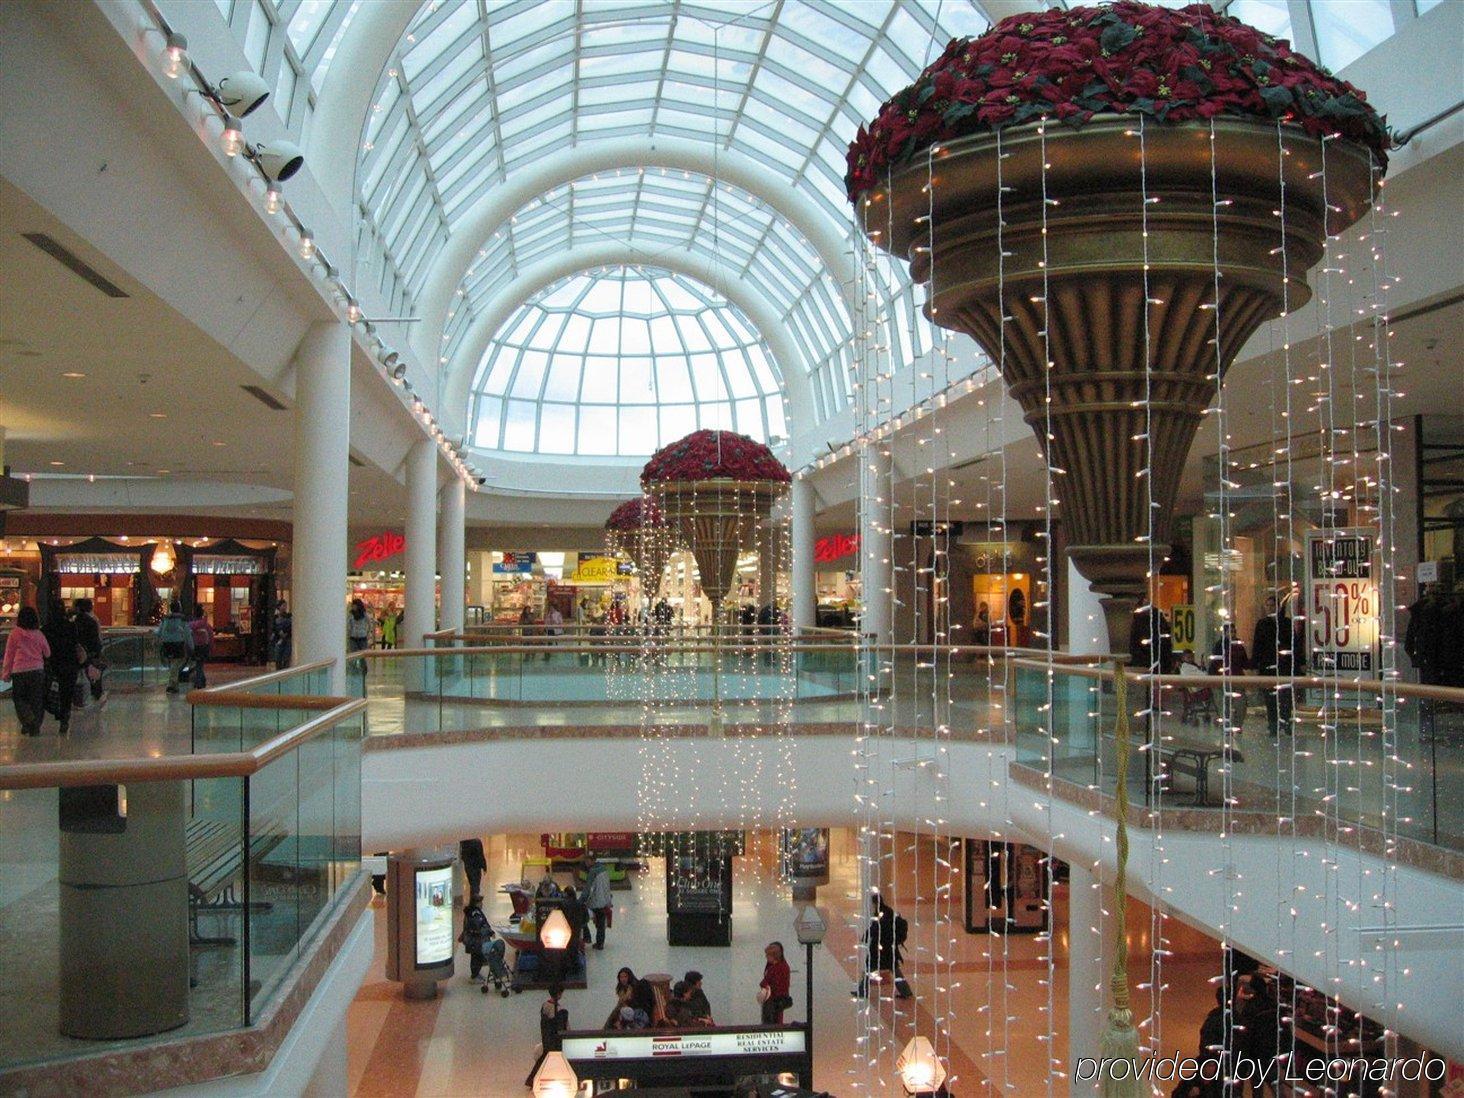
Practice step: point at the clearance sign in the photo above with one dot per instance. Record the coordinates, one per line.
(660, 1046)
(1341, 602)
(596, 570)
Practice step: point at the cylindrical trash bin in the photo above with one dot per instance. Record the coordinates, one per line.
(123, 881)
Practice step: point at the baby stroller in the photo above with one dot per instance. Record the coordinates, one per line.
(498, 977)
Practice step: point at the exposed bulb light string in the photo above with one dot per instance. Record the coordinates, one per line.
(274, 204)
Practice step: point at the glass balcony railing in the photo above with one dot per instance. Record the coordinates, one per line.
(1351, 754)
(173, 897)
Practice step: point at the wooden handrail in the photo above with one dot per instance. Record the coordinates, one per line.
(241, 685)
(542, 649)
(231, 764)
(1452, 694)
(239, 700)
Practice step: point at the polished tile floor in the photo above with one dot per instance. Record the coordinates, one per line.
(465, 1043)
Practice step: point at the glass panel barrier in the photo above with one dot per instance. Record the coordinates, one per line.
(119, 916)
(1323, 756)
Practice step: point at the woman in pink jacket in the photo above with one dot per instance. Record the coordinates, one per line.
(24, 668)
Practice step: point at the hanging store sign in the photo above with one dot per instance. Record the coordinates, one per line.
(380, 547)
(761, 1042)
(227, 566)
(80, 564)
(515, 564)
(1342, 602)
(1182, 627)
(835, 547)
(599, 570)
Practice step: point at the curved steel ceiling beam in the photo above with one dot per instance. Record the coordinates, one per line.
(500, 203)
(792, 370)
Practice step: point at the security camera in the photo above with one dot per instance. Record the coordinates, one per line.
(239, 93)
(481, 481)
(278, 160)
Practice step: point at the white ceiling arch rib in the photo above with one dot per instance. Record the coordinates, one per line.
(764, 316)
(828, 238)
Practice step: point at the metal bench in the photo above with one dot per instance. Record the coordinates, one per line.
(1193, 758)
(215, 856)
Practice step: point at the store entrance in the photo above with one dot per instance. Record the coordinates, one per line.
(1002, 603)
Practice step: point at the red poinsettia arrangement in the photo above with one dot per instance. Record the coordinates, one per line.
(1127, 58)
(714, 455)
(634, 514)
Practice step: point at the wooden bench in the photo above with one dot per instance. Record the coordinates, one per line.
(214, 857)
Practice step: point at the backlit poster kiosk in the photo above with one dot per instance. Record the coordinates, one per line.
(420, 920)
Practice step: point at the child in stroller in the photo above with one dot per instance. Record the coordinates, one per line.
(483, 946)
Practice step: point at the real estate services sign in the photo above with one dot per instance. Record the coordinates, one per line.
(1341, 602)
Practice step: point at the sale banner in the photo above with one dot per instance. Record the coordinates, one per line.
(1341, 602)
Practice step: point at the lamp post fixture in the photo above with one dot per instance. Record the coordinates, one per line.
(555, 1078)
(811, 928)
(555, 935)
(921, 1072)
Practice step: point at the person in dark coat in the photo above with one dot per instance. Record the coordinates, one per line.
(475, 864)
(64, 663)
(882, 940)
(1272, 650)
(89, 636)
(553, 1021)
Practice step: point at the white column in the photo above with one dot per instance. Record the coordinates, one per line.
(451, 553)
(801, 584)
(322, 485)
(876, 564)
(1087, 628)
(421, 552)
(1086, 974)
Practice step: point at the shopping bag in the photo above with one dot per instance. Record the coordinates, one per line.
(52, 701)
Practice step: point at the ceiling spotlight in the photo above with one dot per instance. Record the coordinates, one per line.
(353, 310)
(272, 198)
(175, 55)
(240, 93)
(307, 247)
(278, 160)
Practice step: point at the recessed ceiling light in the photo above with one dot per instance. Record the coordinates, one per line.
(58, 463)
(72, 375)
(157, 415)
(217, 442)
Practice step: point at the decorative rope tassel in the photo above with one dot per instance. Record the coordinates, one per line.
(1120, 1040)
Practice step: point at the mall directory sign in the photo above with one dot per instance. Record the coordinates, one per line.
(434, 916)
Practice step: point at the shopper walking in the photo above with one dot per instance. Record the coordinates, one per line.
(63, 665)
(174, 636)
(358, 631)
(24, 668)
(89, 636)
(475, 864)
(553, 1021)
(884, 938)
(553, 629)
(201, 635)
(597, 898)
(772, 992)
(1271, 650)
(281, 636)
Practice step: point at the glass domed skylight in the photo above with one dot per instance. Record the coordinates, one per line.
(620, 362)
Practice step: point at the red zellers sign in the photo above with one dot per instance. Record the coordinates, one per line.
(378, 548)
(834, 547)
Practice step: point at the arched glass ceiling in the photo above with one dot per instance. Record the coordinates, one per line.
(620, 362)
(655, 212)
(475, 90)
